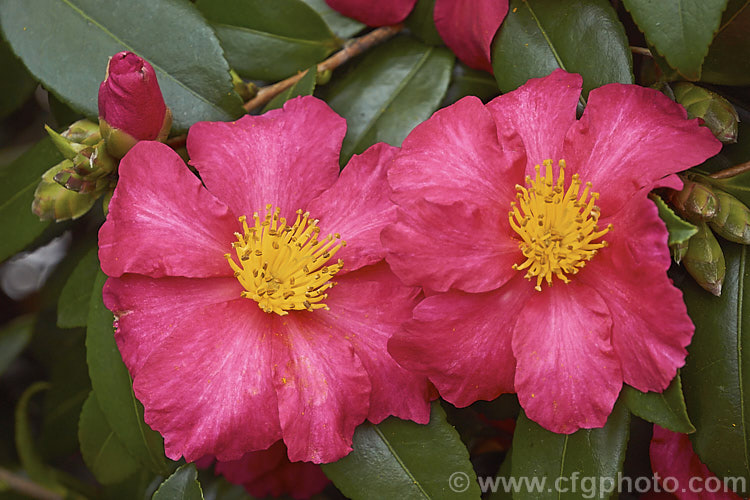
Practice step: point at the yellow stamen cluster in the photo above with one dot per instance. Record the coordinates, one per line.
(557, 226)
(282, 267)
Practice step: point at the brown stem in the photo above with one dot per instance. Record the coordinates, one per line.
(352, 48)
(28, 488)
(732, 171)
(641, 51)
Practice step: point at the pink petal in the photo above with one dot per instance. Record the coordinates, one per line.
(468, 26)
(323, 390)
(149, 309)
(629, 138)
(367, 308)
(457, 245)
(285, 157)
(650, 323)
(161, 220)
(371, 13)
(269, 472)
(455, 156)
(541, 111)
(358, 207)
(567, 374)
(462, 342)
(672, 456)
(207, 387)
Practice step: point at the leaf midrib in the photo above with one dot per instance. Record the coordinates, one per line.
(156, 67)
(740, 308)
(395, 455)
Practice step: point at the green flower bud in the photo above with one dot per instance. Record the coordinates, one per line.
(732, 219)
(704, 260)
(54, 202)
(246, 90)
(718, 114)
(695, 201)
(83, 132)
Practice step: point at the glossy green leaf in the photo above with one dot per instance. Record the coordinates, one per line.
(32, 463)
(679, 230)
(306, 86)
(421, 22)
(680, 30)
(14, 337)
(111, 382)
(16, 85)
(666, 408)
(73, 305)
(468, 81)
(103, 452)
(182, 485)
(390, 90)
(342, 26)
(264, 41)
(593, 453)
(18, 180)
(728, 59)
(170, 34)
(539, 36)
(716, 375)
(401, 459)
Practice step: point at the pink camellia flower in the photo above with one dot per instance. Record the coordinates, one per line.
(258, 308)
(269, 472)
(131, 107)
(466, 26)
(547, 259)
(680, 470)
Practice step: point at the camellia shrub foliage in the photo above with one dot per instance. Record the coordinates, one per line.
(358, 249)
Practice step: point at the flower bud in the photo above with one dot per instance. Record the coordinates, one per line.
(704, 260)
(695, 201)
(131, 107)
(54, 202)
(732, 219)
(717, 113)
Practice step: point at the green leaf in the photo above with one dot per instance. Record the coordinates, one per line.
(170, 34)
(305, 86)
(468, 81)
(716, 374)
(342, 26)
(18, 180)
(728, 59)
(14, 337)
(16, 85)
(421, 22)
(73, 305)
(666, 408)
(679, 229)
(401, 459)
(103, 452)
(680, 30)
(539, 36)
(389, 91)
(32, 463)
(182, 485)
(593, 453)
(269, 41)
(111, 382)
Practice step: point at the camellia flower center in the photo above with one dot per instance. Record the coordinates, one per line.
(282, 267)
(557, 226)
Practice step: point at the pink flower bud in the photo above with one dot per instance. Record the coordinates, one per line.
(130, 100)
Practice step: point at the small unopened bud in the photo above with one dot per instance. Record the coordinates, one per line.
(54, 202)
(732, 219)
(695, 201)
(131, 106)
(704, 260)
(717, 113)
